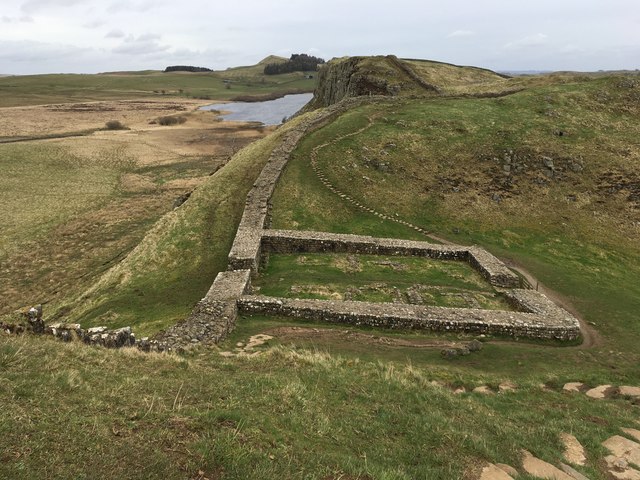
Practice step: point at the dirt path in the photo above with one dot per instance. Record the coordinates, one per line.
(309, 333)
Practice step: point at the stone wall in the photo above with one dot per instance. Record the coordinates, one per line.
(292, 241)
(118, 338)
(213, 317)
(245, 251)
(416, 317)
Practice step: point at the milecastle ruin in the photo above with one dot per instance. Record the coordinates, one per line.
(230, 294)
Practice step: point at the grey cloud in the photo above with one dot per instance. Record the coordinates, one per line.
(143, 45)
(116, 33)
(22, 19)
(37, 52)
(36, 5)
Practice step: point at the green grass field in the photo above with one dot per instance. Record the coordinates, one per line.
(290, 413)
(65, 88)
(377, 279)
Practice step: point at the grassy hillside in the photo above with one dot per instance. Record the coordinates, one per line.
(158, 283)
(545, 177)
(289, 413)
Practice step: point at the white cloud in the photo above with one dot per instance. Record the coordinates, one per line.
(142, 45)
(461, 33)
(128, 6)
(95, 24)
(528, 41)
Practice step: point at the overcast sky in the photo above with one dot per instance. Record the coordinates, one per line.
(42, 36)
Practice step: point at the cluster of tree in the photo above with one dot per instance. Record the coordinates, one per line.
(299, 62)
(186, 68)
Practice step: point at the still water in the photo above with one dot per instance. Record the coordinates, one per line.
(270, 112)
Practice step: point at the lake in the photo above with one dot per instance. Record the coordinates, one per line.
(270, 112)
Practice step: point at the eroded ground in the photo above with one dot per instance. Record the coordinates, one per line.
(73, 206)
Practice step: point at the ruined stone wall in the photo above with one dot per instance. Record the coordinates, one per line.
(213, 317)
(416, 317)
(245, 251)
(292, 241)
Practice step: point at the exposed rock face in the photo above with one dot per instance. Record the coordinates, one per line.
(345, 78)
(366, 76)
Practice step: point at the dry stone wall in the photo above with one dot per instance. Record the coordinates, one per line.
(245, 251)
(416, 317)
(291, 241)
(213, 317)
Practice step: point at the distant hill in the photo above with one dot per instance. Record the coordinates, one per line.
(272, 59)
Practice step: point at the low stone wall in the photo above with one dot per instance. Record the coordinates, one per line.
(245, 251)
(292, 241)
(213, 317)
(415, 317)
(532, 301)
(492, 268)
(121, 337)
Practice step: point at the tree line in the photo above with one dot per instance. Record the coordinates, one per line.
(186, 68)
(299, 62)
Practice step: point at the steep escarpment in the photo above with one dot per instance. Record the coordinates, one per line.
(359, 76)
(390, 76)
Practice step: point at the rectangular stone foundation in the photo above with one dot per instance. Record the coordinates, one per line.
(293, 241)
(416, 317)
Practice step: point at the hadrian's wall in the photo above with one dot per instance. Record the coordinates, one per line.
(214, 317)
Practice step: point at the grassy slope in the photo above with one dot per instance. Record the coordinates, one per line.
(287, 414)
(445, 159)
(159, 282)
(63, 186)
